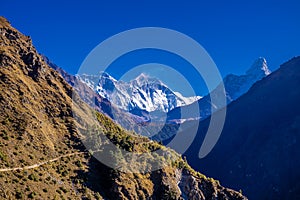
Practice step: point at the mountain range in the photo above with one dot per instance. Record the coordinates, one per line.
(44, 122)
(144, 93)
(234, 85)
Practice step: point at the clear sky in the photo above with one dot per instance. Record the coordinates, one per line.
(234, 33)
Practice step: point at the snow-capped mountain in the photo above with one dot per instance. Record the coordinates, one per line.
(238, 85)
(261, 138)
(142, 93)
(235, 86)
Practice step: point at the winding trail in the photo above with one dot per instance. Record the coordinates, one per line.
(41, 163)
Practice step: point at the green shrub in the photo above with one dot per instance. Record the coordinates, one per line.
(31, 195)
(78, 163)
(5, 136)
(64, 173)
(63, 189)
(3, 156)
(32, 177)
(19, 195)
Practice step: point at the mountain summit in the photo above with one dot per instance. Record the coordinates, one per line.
(235, 86)
(259, 145)
(259, 69)
(142, 93)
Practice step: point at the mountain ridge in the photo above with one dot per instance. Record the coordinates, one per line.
(144, 92)
(40, 121)
(259, 152)
(235, 86)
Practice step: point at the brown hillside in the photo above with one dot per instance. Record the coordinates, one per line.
(41, 154)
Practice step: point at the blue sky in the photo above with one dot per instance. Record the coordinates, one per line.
(234, 33)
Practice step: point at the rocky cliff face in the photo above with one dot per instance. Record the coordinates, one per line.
(41, 134)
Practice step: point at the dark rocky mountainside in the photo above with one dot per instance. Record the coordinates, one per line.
(258, 150)
(41, 134)
(86, 93)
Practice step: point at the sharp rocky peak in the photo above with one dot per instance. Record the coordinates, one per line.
(144, 79)
(144, 92)
(259, 68)
(105, 75)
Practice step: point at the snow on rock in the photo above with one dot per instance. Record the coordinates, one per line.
(238, 85)
(143, 92)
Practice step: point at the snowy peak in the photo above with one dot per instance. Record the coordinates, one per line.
(89, 80)
(235, 86)
(105, 77)
(142, 93)
(107, 82)
(144, 80)
(238, 85)
(259, 68)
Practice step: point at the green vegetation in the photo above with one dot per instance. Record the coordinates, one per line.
(32, 177)
(31, 195)
(3, 157)
(19, 195)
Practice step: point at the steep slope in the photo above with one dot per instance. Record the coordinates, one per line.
(84, 91)
(41, 129)
(235, 86)
(36, 123)
(259, 146)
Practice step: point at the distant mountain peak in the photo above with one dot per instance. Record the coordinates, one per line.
(144, 79)
(259, 68)
(142, 76)
(143, 92)
(237, 85)
(104, 74)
